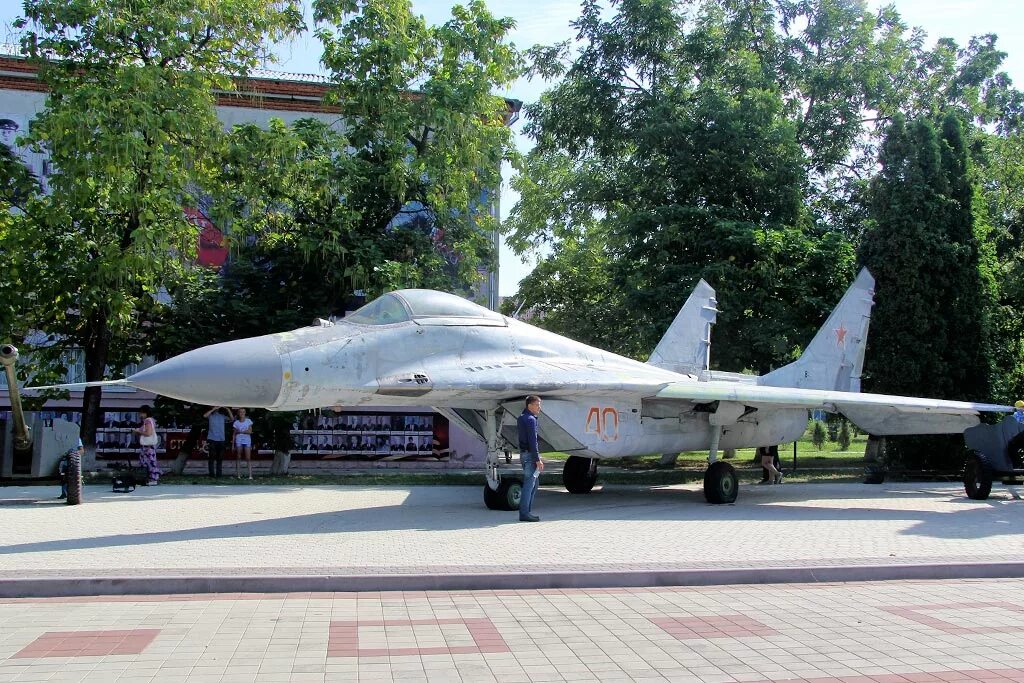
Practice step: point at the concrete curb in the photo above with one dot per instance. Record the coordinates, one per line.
(298, 583)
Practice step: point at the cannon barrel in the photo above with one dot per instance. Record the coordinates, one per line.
(22, 434)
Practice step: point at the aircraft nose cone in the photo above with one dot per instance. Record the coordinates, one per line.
(245, 372)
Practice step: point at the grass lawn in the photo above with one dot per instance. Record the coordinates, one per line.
(807, 457)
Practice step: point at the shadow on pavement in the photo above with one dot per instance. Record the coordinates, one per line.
(432, 509)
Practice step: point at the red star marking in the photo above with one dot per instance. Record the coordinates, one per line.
(841, 335)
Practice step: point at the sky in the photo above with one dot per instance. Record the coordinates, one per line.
(548, 21)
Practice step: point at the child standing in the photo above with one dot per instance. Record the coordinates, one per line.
(243, 440)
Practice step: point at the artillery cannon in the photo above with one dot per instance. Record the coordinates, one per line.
(998, 453)
(35, 452)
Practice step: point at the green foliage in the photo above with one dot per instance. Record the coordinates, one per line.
(819, 434)
(930, 325)
(663, 156)
(317, 210)
(131, 131)
(736, 142)
(298, 194)
(923, 251)
(423, 131)
(843, 440)
(1001, 188)
(572, 291)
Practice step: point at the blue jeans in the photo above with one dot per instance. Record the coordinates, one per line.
(530, 482)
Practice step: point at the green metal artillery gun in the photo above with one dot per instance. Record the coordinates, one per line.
(35, 451)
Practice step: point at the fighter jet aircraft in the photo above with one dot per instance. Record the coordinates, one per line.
(426, 348)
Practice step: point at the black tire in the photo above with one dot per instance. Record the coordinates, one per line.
(74, 475)
(509, 492)
(720, 484)
(977, 477)
(874, 474)
(579, 474)
(491, 499)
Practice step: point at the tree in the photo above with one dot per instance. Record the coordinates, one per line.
(1000, 171)
(398, 196)
(816, 81)
(17, 187)
(929, 322)
(929, 327)
(423, 143)
(843, 441)
(666, 145)
(818, 434)
(131, 130)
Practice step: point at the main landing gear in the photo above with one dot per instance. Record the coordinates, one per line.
(720, 484)
(579, 474)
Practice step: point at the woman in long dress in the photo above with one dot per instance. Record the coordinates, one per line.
(148, 441)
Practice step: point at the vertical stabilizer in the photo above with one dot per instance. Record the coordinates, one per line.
(834, 359)
(686, 346)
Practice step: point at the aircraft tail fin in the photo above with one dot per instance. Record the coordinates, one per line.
(686, 346)
(834, 359)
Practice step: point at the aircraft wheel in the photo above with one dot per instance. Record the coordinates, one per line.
(509, 492)
(74, 475)
(720, 484)
(977, 477)
(492, 499)
(874, 474)
(579, 474)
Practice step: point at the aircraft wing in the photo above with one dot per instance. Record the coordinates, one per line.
(878, 414)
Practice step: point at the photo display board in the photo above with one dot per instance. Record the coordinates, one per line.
(355, 437)
(371, 437)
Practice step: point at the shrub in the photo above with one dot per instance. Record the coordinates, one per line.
(819, 434)
(843, 441)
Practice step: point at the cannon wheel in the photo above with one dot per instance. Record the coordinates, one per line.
(74, 475)
(977, 477)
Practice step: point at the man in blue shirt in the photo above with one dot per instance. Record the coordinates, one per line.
(529, 456)
(217, 417)
(1018, 412)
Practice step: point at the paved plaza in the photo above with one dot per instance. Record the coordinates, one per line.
(142, 577)
(879, 632)
(348, 531)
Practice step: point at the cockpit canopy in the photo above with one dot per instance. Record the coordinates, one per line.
(424, 306)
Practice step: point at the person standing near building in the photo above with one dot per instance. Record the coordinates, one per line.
(242, 440)
(529, 456)
(215, 438)
(148, 441)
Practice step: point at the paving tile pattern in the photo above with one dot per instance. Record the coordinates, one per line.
(89, 643)
(881, 632)
(261, 530)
